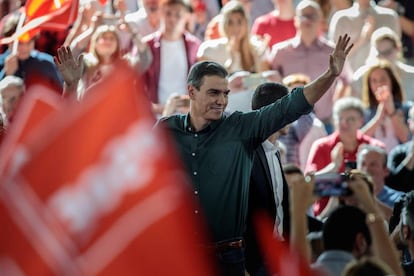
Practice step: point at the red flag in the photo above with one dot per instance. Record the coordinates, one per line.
(39, 104)
(280, 259)
(102, 194)
(45, 15)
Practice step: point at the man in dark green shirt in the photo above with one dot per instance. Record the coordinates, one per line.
(217, 150)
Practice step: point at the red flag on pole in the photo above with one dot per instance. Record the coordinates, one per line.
(40, 15)
(101, 194)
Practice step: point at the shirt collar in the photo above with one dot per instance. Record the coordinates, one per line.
(297, 42)
(269, 146)
(213, 125)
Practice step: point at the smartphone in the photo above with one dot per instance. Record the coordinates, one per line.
(331, 184)
(253, 80)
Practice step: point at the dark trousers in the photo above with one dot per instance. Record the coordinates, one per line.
(231, 262)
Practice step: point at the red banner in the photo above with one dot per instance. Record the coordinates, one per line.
(101, 194)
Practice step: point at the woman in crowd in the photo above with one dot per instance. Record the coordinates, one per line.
(236, 50)
(383, 98)
(104, 53)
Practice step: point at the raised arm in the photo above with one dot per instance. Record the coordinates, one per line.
(315, 90)
(70, 68)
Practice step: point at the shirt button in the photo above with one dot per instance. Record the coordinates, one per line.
(193, 154)
(195, 173)
(196, 135)
(196, 192)
(196, 212)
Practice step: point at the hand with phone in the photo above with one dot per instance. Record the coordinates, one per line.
(332, 184)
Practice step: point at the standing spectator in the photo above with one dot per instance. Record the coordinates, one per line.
(26, 62)
(385, 110)
(268, 191)
(236, 50)
(278, 24)
(304, 54)
(147, 19)
(361, 20)
(401, 161)
(174, 50)
(103, 55)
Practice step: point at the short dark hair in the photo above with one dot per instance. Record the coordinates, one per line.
(267, 93)
(342, 226)
(204, 68)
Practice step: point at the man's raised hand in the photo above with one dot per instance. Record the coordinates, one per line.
(338, 56)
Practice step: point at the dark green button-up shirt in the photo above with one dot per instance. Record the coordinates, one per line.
(219, 158)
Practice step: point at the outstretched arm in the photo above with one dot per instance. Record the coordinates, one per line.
(315, 90)
(70, 68)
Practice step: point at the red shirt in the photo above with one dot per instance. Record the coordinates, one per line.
(278, 29)
(320, 157)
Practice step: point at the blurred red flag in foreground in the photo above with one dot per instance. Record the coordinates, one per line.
(101, 194)
(280, 259)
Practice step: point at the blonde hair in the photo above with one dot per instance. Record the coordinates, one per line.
(246, 49)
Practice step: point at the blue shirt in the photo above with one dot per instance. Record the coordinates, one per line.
(219, 158)
(38, 66)
(389, 196)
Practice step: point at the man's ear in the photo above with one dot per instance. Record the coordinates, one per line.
(360, 246)
(191, 90)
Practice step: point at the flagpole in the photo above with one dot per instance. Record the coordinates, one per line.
(19, 26)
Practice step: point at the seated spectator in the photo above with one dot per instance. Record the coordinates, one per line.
(385, 110)
(302, 132)
(330, 153)
(236, 50)
(360, 21)
(278, 24)
(22, 60)
(401, 161)
(373, 161)
(385, 44)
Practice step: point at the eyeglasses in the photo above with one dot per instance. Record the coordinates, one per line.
(308, 17)
(386, 53)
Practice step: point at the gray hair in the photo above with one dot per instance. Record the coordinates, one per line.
(12, 81)
(347, 103)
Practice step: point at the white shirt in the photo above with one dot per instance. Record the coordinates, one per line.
(277, 183)
(174, 69)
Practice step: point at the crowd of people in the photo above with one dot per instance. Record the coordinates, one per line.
(262, 98)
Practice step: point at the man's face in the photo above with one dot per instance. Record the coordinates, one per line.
(308, 21)
(386, 49)
(373, 163)
(348, 122)
(24, 49)
(10, 96)
(174, 17)
(211, 100)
